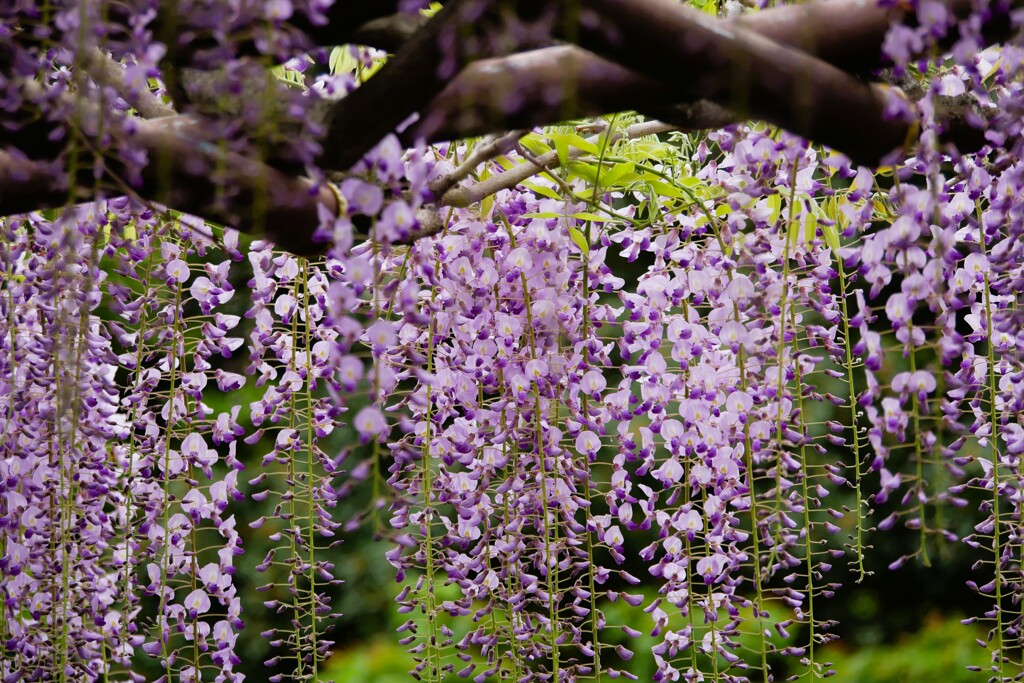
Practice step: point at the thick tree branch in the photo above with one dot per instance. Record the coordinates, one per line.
(260, 198)
(745, 72)
(404, 85)
(472, 105)
(699, 115)
(531, 89)
(388, 33)
(463, 31)
(652, 36)
(189, 174)
(27, 185)
(344, 21)
(564, 82)
(106, 71)
(345, 18)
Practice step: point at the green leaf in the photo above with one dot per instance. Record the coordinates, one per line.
(542, 214)
(828, 220)
(372, 69)
(617, 173)
(793, 233)
(827, 208)
(573, 140)
(288, 75)
(544, 190)
(597, 218)
(562, 147)
(341, 61)
(810, 227)
(535, 145)
(883, 208)
(580, 239)
(774, 202)
(831, 235)
(584, 170)
(649, 149)
(662, 188)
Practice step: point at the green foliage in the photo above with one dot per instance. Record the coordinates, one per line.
(940, 651)
(381, 660)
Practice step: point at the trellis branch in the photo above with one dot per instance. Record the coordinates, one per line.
(483, 152)
(467, 196)
(747, 73)
(106, 71)
(419, 71)
(531, 89)
(191, 175)
(345, 19)
(387, 33)
(642, 43)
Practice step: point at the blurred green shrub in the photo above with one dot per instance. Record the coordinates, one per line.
(381, 660)
(941, 651)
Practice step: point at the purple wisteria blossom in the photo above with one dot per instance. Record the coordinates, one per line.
(799, 350)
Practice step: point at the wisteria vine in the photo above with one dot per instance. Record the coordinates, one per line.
(718, 354)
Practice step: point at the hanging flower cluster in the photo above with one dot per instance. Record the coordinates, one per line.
(716, 367)
(501, 484)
